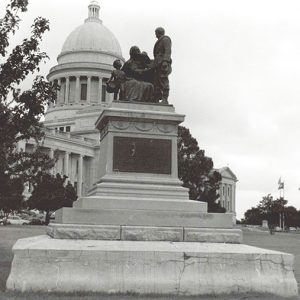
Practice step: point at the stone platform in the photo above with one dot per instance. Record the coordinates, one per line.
(164, 268)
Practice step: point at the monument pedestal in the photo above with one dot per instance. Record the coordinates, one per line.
(138, 232)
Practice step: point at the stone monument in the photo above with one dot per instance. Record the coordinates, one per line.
(137, 231)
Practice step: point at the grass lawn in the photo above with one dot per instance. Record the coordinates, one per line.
(287, 242)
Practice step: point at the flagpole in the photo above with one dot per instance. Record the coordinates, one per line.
(281, 197)
(283, 220)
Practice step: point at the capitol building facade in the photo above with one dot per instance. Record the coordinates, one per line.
(83, 68)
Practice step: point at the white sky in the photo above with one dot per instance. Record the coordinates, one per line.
(236, 76)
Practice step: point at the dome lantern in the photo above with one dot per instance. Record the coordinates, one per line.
(94, 9)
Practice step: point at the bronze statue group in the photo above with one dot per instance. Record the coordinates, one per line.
(140, 78)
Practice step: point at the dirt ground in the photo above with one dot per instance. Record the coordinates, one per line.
(287, 242)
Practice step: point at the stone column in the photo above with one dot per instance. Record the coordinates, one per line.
(226, 197)
(100, 90)
(50, 104)
(66, 171)
(79, 175)
(233, 198)
(77, 89)
(110, 97)
(229, 197)
(88, 96)
(59, 91)
(51, 155)
(222, 195)
(67, 90)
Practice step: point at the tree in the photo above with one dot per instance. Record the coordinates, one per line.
(21, 112)
(253, 216)
(272, 209)
(51, 193)
(291, 216)
(196, 171)
(11, 190)
(267, 209)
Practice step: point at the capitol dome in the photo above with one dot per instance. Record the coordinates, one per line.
(84, 67)
(90, 37)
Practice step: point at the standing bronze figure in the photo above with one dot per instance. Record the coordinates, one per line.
(162, 65)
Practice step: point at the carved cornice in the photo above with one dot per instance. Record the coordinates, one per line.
(139, 127)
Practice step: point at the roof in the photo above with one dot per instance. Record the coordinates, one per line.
(92, 36)
(226, 172)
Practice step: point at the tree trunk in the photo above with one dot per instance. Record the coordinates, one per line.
(47, 219)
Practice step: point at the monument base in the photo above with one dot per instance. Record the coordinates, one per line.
(138, 232)
(144, 233)
(44, 264)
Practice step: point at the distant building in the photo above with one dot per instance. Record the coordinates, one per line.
(227, 190)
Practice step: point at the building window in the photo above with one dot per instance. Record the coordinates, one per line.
(103, 96)
(68, 128)
(223, 190)
(61, 129)
(83, 91)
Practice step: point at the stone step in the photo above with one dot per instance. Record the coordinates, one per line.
(111, 202)
(162, 189)
(144, 233)
(141, 217)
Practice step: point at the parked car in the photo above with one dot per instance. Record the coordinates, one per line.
(3, 221)
(16, 220)
(36, 221)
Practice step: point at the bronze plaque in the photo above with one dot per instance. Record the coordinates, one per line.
(142, 155)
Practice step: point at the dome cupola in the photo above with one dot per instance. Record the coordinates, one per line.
(91, 41)
(94, 9)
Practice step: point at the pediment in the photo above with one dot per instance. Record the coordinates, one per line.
(226, 172)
